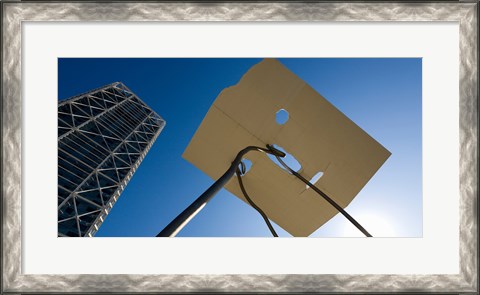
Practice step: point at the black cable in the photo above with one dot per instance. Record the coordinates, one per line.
(239, 173)
(317, 190)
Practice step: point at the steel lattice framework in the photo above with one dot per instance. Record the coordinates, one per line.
(103, 136)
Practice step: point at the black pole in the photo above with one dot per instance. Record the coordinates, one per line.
(183, 218)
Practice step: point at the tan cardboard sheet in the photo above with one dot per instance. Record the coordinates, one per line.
(317, 134)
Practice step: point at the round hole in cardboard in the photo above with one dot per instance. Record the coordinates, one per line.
(281, 117)
(248, 164)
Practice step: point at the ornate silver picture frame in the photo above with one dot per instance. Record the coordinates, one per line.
(15, 12)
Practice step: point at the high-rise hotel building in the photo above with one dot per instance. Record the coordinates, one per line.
(103, 136)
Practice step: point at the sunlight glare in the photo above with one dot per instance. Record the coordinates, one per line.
(377, 225)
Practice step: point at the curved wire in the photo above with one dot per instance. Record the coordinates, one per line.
(247, 197)
(317, 190)
(188, 213)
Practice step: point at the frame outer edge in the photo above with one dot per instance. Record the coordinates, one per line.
(15, 12)
(469, 146)
(11, 144)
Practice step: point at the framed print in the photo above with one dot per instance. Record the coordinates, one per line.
(91, 90)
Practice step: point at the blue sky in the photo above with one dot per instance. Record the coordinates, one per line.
(383, 96)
